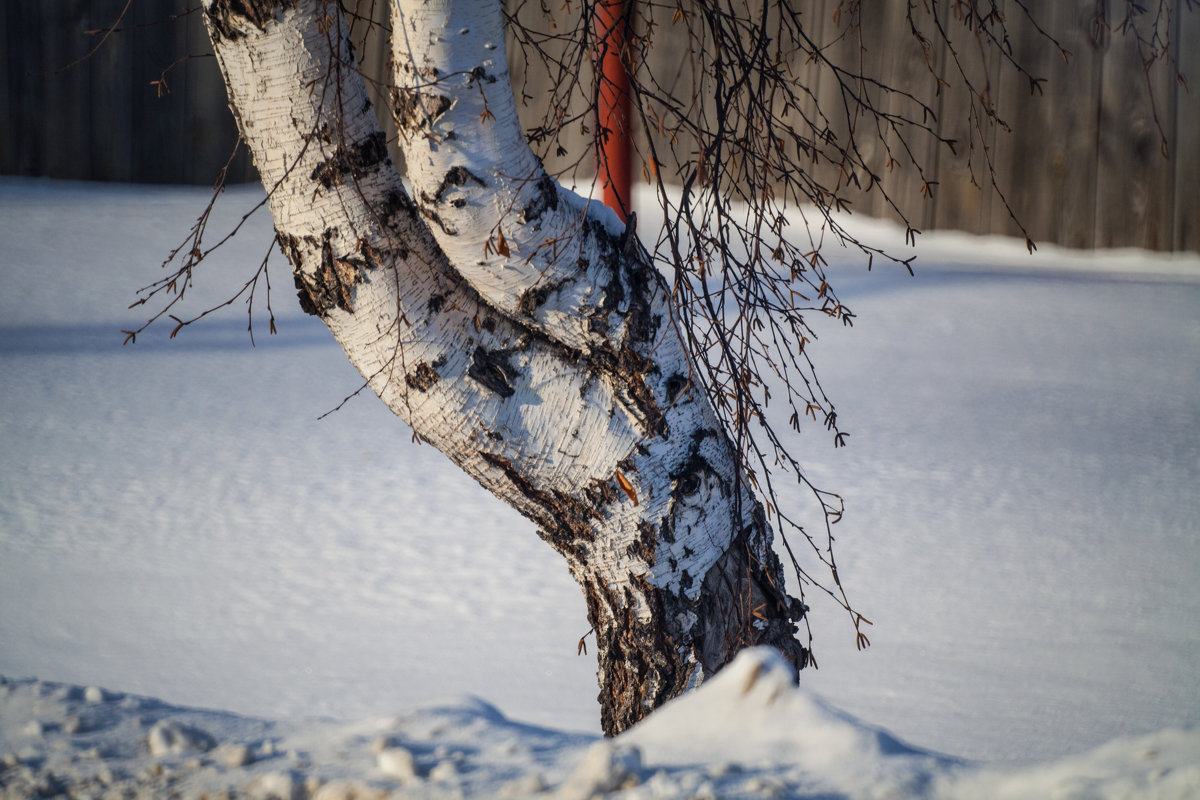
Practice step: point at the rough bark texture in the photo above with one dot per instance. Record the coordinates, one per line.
(543, 362)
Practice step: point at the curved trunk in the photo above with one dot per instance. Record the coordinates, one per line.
(546, 365)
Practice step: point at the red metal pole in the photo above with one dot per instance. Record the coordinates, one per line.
(615, 149)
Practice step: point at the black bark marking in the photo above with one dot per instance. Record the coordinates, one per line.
(396, 209)
(422, 378)
(545, 199)
(535, 297)
(415, 110)
(427, 211)
(666, 530)
(634, 368)
(493, 370)
(564, 519)
(455, 177)
(742, 607)
(331, 284)
(435, 303)
(674, 385)
(480, 74)
(600, 493)
(645, 544)
(225, 14)
(356, 160)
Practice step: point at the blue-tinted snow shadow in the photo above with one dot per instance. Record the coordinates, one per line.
(938, 275)
(107, 338)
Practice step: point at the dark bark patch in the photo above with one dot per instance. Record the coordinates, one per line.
(454, 178)
(493, 370)
(428, 212)
(396, 209)
(674, 385)
(480, 74)
(640, 666)
(331, 284)
(600, 493)
(545, 199)
(435, 303)
(355, 160)
(645, 544)
(225, 15)
(535, 297)
(634, 368)
(415, 110)
(422, 378)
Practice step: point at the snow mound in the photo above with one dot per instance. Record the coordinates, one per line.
(747, 733)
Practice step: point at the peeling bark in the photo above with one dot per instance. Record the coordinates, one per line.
(551, 374)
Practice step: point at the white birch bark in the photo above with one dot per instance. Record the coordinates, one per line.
(475, 179)
(593, 433)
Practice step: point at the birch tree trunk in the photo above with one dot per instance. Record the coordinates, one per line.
(515, 326)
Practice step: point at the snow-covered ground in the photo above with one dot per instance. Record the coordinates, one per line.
(1023, 527)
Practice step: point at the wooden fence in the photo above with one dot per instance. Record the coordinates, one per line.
(1082, 168)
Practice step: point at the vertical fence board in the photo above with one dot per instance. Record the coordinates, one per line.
(210, 127)
(1186, 147)
(158, 112)
(1048, 164)
(1133, 178)
(834, 112)
(8, 84)
(26, 121)
(61, 95)
(965, 196)
(110, 147)
(902, 62)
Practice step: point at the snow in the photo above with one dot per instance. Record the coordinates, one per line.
(175, 522)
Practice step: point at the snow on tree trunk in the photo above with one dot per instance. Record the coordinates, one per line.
(544, 362)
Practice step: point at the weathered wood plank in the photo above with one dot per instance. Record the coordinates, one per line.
(111, 144)
(1133, 181)
(1048, 164)
(903, 62)
(27, 119)
(1186, 147)
(965, 193)
(8, 84)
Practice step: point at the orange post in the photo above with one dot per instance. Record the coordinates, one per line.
(615, 147)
